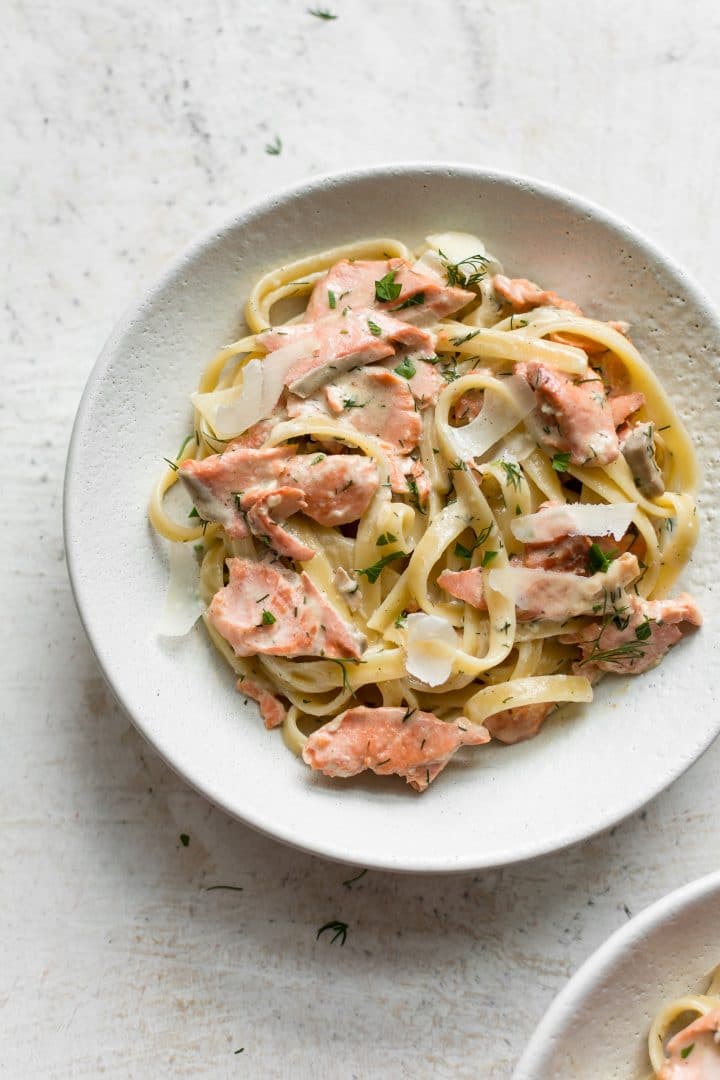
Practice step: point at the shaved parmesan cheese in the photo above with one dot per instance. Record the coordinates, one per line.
(456, 247)
(231, 412)
(431, 647)
(573, 519)
(501, 412)
(552, 594)
(183, 605)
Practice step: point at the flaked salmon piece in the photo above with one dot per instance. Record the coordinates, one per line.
(408, 477)
(466, 585)
(635, 635)
(549, 594)
(218, 483)
(524, 295)
(426, 384)
(337, 487)
(516, 725)
(234, 489)
(265, 514)
(421, 297)
(542, 594)
(694, 1053)
(255, 436)
(339, 343)
(568, 554)
(624, 405)
(468, 406)
(268, 609)
(592, 348)
(638, 448)
(414, 745)
(272, 709)
(372, 400)
(571, 417)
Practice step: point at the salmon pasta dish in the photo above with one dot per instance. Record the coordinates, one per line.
(423, 504)
(684, 1040)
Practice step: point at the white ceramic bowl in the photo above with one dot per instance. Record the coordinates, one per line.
(597, 1027)
(590, 767)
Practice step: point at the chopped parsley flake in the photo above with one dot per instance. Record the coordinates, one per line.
(412, 301)
(332, 302)
(600, 560)
(372, 573)
(268, 618)
(374, 329)
(387, 288)
(560, 462)
(385, 538)
(687, 1051)
(407, 369)
(488, 558)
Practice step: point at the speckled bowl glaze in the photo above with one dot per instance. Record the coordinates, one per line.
(597, 1027)
(590, 767)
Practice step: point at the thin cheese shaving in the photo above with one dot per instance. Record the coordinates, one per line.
(574, 519)
(501, 412)
(231, 412)
(431, 647)
(455, 247)
(558, 595)
(183, 605)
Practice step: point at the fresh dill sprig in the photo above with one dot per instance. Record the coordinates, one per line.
(339, 929)
(476, 269)
(274, 149)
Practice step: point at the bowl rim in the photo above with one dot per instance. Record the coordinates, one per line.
(133, 312)
(584, 982)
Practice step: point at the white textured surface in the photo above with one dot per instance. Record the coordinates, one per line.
(126, 132)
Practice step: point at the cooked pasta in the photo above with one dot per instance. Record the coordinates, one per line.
(684, 1039)
(429, 507)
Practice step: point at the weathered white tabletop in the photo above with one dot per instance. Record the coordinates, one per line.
(128, 127)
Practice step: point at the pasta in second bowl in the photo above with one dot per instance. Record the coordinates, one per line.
(423, 543)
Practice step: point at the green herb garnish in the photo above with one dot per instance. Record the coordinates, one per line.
(412, 301)
(468, 337)
(340, 931)
(488, 558)
(466, 553)
(644, 630)
(385, 538)
(352, 880)
(184, 839)
(600, 560)
(387, 288)
(513, 475)
(560, 462)
(477, 269)
(332, 302)
(687, 1051)
(322, 13)
(407, 369)
(372, 573)
(268, 618)
(414, 493)
(374, 329)
(275, 147)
